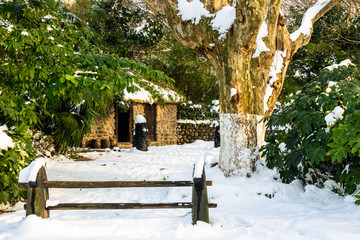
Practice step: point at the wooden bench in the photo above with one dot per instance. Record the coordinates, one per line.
(38, 194)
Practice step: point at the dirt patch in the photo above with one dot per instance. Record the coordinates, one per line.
(81, 158)
(6, 211)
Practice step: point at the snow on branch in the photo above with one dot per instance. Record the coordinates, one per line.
(260, 44)
(308, 19)
(224, 19)
(276, 68)
(345, 63)
(193, 10)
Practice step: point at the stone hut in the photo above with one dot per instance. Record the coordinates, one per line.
(118, 128)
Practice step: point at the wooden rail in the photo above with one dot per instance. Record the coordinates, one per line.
(38, 194)
(111, 184)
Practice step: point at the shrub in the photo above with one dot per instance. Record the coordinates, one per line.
(198, 111)
(316, 134)
(12, 160)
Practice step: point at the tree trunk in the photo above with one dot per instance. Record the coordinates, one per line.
(241, 136)
(242, 109)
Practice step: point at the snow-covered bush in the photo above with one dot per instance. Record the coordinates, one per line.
(316, 134)
(16, 153)
(192, 111)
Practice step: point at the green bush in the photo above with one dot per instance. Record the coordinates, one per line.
(316, 134)
(12, 160)
(192, 111)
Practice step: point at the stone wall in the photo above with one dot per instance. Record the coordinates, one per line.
(137, 109)
(189, 132)
(166, 118)
(103, 129)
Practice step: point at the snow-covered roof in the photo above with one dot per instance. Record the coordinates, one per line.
(144, 95)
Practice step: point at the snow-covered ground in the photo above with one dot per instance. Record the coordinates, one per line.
(243, 212)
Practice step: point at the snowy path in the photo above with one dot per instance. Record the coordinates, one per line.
(243, 212)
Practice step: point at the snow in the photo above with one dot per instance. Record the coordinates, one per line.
(216, 105)
(51, 203)
(346, 62)
(336, 114)
(192, 11)
(224, 19)
(29, 173)
(306, 23)
(145, 96)
(235, 151)
(260, 44)
(5, 141)
(140, 119)
(85, 72)
(267, 96)
(282, 147)
(195, 122)
(233, 92)
(198, 168)
(275, 69)
(330, 84)
(48, 16)
(244, 211)
(141, 27)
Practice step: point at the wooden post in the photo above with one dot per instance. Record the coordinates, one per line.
(44, 193)
(30, 201)
(37, 196)
(200, 210)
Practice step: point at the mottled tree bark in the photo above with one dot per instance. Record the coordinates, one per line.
(249, 84)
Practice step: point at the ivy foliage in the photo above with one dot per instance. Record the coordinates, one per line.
(316, 134)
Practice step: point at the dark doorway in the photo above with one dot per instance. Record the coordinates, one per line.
(123, 126)
(150, 115)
